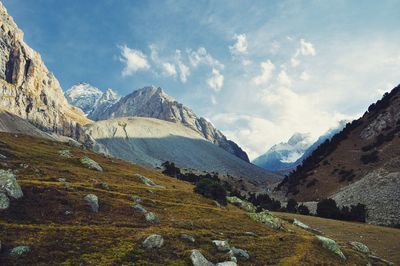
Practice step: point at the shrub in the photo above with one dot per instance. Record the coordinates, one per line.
(263, 201)
(327, 208)
(292, 206)
(370, 157)
(302, 209)
(211, 189)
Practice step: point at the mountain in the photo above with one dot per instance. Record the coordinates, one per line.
(360, 164)
(155, 103)
(150, 141)
(282, 157)
(90, 99)
(29, 90)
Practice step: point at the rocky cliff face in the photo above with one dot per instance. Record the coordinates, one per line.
(154, 102)
(29, 90)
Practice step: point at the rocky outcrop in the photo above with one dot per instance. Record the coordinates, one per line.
(154, 102)
(29, 90)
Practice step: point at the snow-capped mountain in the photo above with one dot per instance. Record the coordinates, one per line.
(283, 156)
(90, 99)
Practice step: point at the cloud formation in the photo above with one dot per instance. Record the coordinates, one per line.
(267, 68)
(216, 81)
(240, 45)
(134, 61)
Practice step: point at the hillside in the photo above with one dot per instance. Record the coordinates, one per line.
(358, 165)
(152, 141)
(59, 227)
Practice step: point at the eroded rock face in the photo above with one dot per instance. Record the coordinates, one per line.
(29, 90)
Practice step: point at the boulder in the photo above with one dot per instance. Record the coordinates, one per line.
(62, 179)
(91, 164)
(20, 250)
(153, 241)
(198, 259)
(188, 238)
(4, 201)
(265, 217)
(147, 181)
(244, 205)
(139, 208)
(136, 198)
(93, 202)
(3, 157)
(237, 252)
(380, 260)
(221, 245)
(65, 153)
(152, 218)
(9, 185)
(102, 185)
(227, 263)
(331, 245)
(360, 247)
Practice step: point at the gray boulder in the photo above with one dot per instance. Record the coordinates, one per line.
(237, 252)
(244, 205)
(2, 157)
(198, 259)
(93, 201)
(380, 260)
(360, 247)
(91, 164)
(152, 218)
(153, 241)
(300, 224)
(4, 201)
(331, 245)
(20, 250)
(9, 185)
(147, 181)
(221, 245)
(188, 238)
(265, 217)
(136, 198)
(139, 208)
(65, 153)
(227, 263)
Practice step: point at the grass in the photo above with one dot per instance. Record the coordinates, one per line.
(114, 235)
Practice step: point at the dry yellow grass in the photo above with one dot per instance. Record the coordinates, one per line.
(113, 236)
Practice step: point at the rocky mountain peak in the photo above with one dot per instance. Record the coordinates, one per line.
(299, 138)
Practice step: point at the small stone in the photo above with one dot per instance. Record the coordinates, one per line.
(147, 181)
(9, 185)
(359, 247)
(227, 263)
(65, 153)
(103, 185)
(244, 205)
(221, 245)
(136, 198)
(2, 157)
(265, 217)
(93, 202)
(20, 250)
(91, 164)
(153, 241)
(188, 238)
(152, 218)
(237, 252)
(4, 201)
(331, 245)
(198, 259)
(251, 234)
(300, 224)
(139, 208)
(62, 179)
(68, 212)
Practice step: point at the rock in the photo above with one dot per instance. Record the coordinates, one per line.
(217, 204)
(139, 208)
(152, 218)
(244, 205)
(62, 179)
(359, 247)
(20, 250)
(136, 198)
(147, 181)
(237, 252)
(102, 185)
(198, 259)
(4, 201)
(93, 202)
(300, 224)
(153, 241)
(65, 153)
(188, 238)
(266, 218)
(221, 245)
(378, 259)
(9, 185)
(74, 143)
(251, 234)
(89, 163)
(2, 157)
(227, 263)
(331, 245)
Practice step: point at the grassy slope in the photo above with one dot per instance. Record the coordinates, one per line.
(113, 236)
(384, 241)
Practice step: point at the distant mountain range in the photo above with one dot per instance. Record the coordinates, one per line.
(285, 157)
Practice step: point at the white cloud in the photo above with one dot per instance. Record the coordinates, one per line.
(134, 60)
(267, 68)
(294, 61)
(216, 81)
(284, 79)
(274, 47)
(184, 70)
(202, 57)
(240, 46)
(213, 100)
(305, 76)
(307, 48)
(169, 69)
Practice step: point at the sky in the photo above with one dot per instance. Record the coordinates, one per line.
(258, 70)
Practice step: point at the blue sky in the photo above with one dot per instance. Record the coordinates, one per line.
(259, 70)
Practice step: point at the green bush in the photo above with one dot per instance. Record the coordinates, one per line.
(211, 189)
